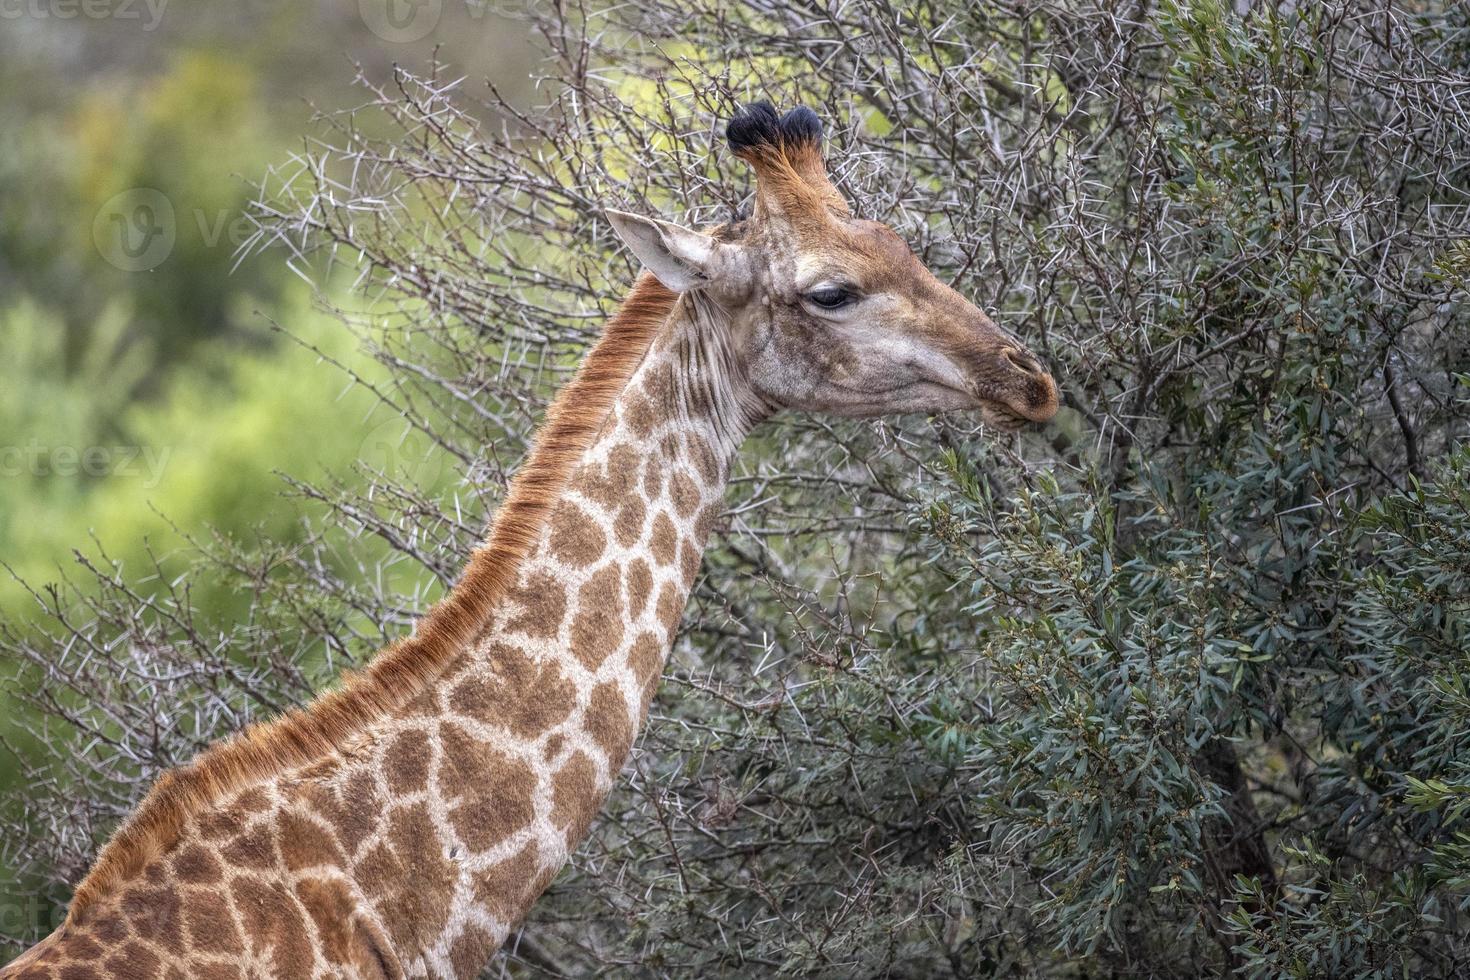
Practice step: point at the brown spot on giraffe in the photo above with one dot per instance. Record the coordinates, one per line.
(661, 384)
(705, 461)
(218, 970)
(108, 928)
(81, 947)
(330, 908)
(155, 916)
(353, 807)
(705, 524)
(628, 528)
(424, 707)
(210, 926)
(607, 484)
(415, 905)
(664, 539)
(653, 477)
(641, 415)
(378, 868)
(255, 847)
(468, 762)
(540, 604)
(406, 762)
(575, 537)
(646, 658)
(572, 786)
(492, 789)
(640, 587)
(597, 629)
(275, 930)
(471, 949)
(221, 824)
(520, 695)
(197, 865)
(689, 562)
(608, 723)
(253, 801)
(305, 843)
(684, 493)
(507, 886)
(622, 467)
(133, 961)
(670, 606)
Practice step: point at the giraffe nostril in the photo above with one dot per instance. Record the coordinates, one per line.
(1022, 360)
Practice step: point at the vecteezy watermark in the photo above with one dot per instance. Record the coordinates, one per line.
(148, 11)
(136, 230)
(405, 21)
(36, 459)
(401, 21)
(29, 914)
(390, 448)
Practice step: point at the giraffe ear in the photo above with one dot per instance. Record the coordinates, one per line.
(681, 259)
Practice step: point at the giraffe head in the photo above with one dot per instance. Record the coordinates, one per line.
(829, 312)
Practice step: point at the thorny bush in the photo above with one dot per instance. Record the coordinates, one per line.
(1175, 686)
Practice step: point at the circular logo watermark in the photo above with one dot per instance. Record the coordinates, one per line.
(135, 230)
(399, 452)
(400, 21)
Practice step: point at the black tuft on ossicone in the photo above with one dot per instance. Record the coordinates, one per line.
(753, 125)
(758, 124)
(801, 125)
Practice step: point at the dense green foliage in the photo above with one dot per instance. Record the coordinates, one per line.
(1174, 687)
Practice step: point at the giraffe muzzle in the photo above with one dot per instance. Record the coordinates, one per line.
(1014, 389)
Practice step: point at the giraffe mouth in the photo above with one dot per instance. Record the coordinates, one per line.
(1017, 402)
(999, 416)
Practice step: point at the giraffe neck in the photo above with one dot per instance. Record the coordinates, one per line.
(419, 841)
(598, 601)
(533, 725)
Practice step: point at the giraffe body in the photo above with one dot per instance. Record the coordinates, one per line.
(404, 826)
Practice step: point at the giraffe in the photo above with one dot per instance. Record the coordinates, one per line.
(403, 824)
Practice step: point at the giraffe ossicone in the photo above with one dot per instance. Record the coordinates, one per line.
(403, 825)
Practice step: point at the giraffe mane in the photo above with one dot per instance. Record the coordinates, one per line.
(401, 670)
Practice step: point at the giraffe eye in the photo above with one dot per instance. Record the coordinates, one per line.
(830, 297)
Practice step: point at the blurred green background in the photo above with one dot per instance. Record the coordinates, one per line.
(146, 396)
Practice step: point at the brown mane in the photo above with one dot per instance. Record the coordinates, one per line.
(401, 670)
